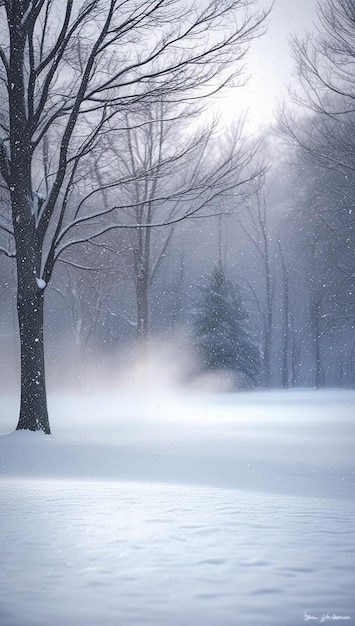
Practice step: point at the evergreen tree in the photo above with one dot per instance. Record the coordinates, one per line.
(221, 335)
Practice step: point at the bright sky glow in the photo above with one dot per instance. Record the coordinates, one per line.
(269, 64)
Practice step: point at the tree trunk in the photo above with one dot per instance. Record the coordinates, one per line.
(142, 271)
(33, 409)
(317, 335)
(285, 355)
(142, 314)
(269, 322)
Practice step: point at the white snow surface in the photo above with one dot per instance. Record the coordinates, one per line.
(163, 510)
(41, 284)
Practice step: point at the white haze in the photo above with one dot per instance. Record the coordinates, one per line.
(162, 504)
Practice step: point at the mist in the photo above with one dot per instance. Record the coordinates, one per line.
(155, 419)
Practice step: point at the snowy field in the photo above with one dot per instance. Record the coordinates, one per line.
(159, 510)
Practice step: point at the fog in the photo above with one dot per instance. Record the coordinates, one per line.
(148, 421)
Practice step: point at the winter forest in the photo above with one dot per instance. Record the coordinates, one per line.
(134, 215)
(177, 310)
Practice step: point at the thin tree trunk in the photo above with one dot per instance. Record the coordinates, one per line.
(142, 313)
(285, 356)
(269, 319)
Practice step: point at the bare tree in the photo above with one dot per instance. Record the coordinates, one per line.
(68, 69)
(151, 158)
(325, 135)
(254, 222)
(167, 169)
(324, 61)
(326, 81)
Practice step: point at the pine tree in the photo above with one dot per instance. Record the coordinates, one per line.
(222, 339)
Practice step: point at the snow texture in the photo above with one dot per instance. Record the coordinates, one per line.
(41, 284)
(207, 511)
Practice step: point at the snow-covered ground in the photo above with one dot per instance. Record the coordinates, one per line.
(159, 510)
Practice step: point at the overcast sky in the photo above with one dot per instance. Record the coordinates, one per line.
(269, 62)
